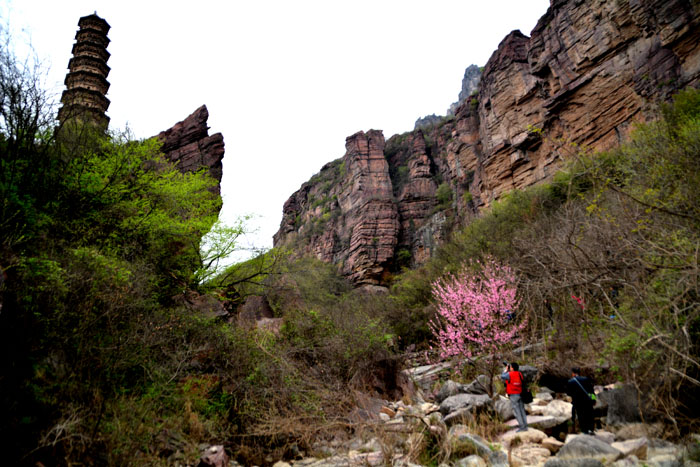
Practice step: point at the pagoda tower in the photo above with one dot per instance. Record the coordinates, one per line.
(86, 82)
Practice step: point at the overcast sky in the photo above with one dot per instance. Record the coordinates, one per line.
(285, 81)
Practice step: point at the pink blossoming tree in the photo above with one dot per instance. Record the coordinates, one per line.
(476, 315)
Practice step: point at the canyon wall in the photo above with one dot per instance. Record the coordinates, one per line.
(589, 70)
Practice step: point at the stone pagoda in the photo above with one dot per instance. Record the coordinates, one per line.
(86, 82)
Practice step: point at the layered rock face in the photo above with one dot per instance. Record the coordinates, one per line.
(189, 144)
(346, 214)
(589, 71)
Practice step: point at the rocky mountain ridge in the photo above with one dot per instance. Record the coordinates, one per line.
(587, 73)
(189, 145)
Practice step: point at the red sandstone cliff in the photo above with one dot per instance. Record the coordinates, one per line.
(189, 144)
(589, 70)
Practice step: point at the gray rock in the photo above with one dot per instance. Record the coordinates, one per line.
(459, 416)
(474, 402)
(630, 461)
(470, 85)
(450, 388)
(468, 441)
(471, 461)
(427, 121)
(541, 422)
(214, 456)
(478, 386)
(585, 446)
(504, 409)
(498, 459)
(667, 460)
(622, 404)
(529, 454)
(659, 447)
(529, 373)
(637, 447)
(554, 462)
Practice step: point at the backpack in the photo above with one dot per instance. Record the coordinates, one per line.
(525, 395)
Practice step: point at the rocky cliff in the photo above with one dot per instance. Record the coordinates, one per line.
(189, 144)
(589, 70)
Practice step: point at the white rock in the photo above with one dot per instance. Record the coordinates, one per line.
(428, 408)
(531, 436)
(552, 444)
(637, 447)
(529, 454)
(471, 461)
(605, 436)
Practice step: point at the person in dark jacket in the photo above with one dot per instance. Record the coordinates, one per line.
(514, 388)
(580, 389)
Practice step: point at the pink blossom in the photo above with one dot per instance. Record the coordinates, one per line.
(475, 311)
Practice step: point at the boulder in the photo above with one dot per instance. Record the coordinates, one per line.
(658, 449)
(552, 444)
(424, 376)
(630, 461)
(638, 430)
(541, 422)
(622, 404)
(427, 408)
(474, 402)
(555, 462)
(529, 373)
(468, 442)
(504, 409)
(498, 459)
(531, 436)
(214, 456)
(665, 460)
(529, 454)
(478, 386)
(449, 389)
(605, 436)
(459, 416)
(556, 408)
(586, 446)
(471, 461)
(636, 447)
(602, 435)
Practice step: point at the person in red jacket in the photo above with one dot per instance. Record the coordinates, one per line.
(514, 388)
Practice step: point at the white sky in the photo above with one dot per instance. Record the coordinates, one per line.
(285, 81)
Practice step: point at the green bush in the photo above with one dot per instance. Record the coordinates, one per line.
(444, 195)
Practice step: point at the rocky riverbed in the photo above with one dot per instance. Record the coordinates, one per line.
(461, 425)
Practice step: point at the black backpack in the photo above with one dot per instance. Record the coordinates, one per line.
(525, 395)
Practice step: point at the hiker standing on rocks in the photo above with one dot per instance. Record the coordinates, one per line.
(580, 388)
(514, 388)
